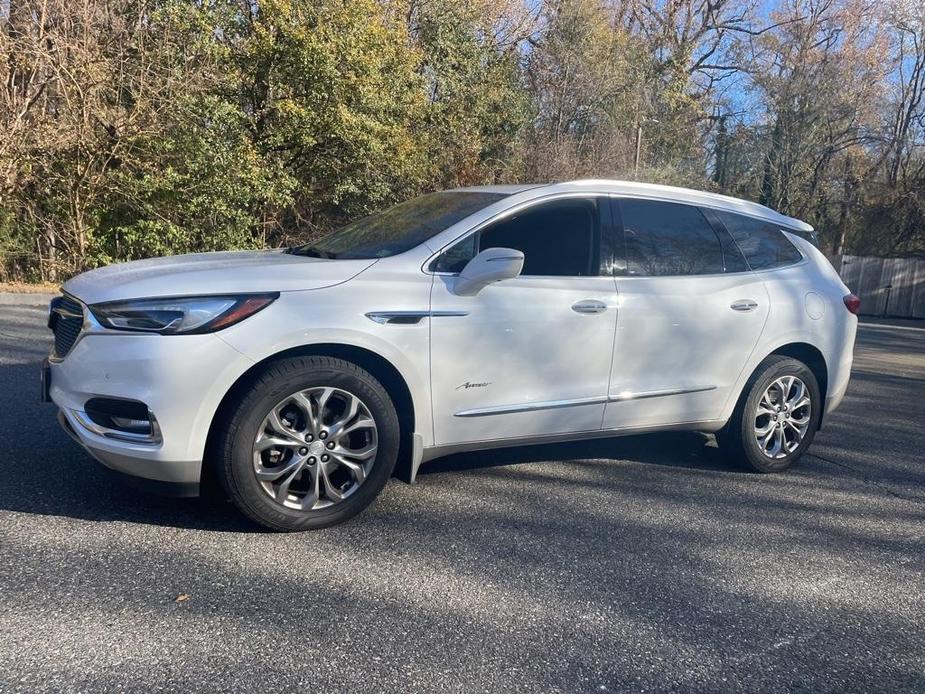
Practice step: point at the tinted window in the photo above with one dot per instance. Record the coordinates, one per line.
(665, 238)
(556, 238)
(454, 259)
(733, 260)
(763, 243)
(399, 228)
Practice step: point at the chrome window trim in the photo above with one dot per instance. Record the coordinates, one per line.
(711, 276)
(586, 194)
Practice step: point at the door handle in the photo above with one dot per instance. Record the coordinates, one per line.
(744, 305)
(589, 306)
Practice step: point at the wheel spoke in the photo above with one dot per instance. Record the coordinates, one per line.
(300, 401)
(799, 395)
(787, 386)
(796, 428)
(265, 442)
(338, 428)
(314, 494)
(330, 489)
(322, 399)
(282, 492)
(761, 432)
(364, 423)
(355, 468)
(800, 404)
(274, 473)
(361, 453)
(767, 439)
(277, 425)
(778, 442)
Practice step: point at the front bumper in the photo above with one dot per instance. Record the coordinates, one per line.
(177, 482)
(182, 380)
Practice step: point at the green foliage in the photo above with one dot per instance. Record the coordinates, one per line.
(199, 186)
(132, 128)
(333, 95)
(476, 101)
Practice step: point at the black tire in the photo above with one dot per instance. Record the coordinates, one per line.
(738, 440)
(234, 451)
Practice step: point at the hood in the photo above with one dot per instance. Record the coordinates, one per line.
(196, 274)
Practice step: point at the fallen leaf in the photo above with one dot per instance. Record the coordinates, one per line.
(182, 597)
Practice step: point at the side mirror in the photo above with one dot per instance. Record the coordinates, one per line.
(490, 266)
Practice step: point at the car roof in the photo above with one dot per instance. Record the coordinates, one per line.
(654, 192)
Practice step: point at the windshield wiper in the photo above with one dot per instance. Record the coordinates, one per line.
(311, 251)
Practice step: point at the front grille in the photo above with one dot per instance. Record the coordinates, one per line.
(67, 320)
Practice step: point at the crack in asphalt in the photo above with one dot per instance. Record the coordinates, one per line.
(857, 474)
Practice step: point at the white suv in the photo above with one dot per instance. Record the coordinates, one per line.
(459, 320)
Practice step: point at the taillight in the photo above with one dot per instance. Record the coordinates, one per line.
(853, 303)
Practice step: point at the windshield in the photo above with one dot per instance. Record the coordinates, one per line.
(399, 228)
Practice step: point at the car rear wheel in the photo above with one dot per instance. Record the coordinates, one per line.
(776, 417)
(310, 444)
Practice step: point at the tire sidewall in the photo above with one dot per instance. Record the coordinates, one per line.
(257, 404)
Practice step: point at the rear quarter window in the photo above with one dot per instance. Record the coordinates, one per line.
(763, 243)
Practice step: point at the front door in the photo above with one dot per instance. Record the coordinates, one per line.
(529, 356)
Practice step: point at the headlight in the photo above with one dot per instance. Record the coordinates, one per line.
(183, 315)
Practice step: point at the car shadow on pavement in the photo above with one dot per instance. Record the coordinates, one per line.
(686, 449)
(44, 472)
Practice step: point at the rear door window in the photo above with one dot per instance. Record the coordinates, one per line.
(666, 238)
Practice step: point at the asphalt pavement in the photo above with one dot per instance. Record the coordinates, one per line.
(634, 564)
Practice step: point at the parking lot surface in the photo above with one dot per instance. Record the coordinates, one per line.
(634, 564)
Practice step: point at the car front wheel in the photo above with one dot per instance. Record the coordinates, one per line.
(310, 444)
(776, 417)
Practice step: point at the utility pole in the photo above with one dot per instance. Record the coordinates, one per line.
(639, 143)
(638, 148)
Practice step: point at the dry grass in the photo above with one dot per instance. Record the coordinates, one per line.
(26, 288)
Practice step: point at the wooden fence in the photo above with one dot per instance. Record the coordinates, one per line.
(887, 286)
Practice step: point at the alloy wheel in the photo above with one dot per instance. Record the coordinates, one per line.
(783, 417)
(315, 448)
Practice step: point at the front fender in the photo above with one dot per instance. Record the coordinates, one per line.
(320, 317)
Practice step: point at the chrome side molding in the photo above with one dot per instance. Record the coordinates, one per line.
(409, 317)
(627, 395)
(577, 402)
(530, 407)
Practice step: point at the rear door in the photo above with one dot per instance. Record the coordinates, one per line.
(690, 315)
